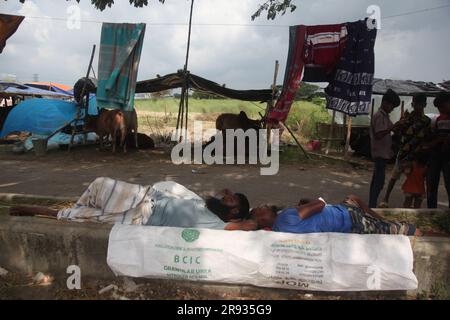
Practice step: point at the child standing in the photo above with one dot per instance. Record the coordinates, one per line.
(414, 186)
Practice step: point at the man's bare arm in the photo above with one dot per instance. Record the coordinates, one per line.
(32, 211)
(246, 225)
(311, 208)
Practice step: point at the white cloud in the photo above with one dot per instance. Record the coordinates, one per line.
(410, 47)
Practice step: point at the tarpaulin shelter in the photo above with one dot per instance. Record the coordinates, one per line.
(409, 87)
(10, 89)
(42, 116)
(176, 80)
(52, 86)
(8, 26)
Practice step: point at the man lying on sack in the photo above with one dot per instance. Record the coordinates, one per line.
(165, 203)
(170, 204)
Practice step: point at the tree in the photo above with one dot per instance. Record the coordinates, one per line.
(273, 7)
(306, 91)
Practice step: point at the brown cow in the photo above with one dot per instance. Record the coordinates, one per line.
(108, 123)
(236, 121)
(131, 123)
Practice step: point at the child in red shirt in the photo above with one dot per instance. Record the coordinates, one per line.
(414, 186)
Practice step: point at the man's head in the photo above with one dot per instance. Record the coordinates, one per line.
(442, 102)
(390, 101)
(228, 205)
(264, 215)
(419, 102)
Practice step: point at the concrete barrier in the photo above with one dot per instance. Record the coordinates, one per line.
(30, 244)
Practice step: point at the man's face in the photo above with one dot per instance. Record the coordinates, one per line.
(228, 198)
(264, 216)
(388, 107)
(445, 108)
(418, 107)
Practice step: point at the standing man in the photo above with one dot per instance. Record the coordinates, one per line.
(381, 143)
(439, 151)
(414, 130)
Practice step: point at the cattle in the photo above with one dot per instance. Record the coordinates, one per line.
(131, 123)
(236, 121)
(108, 123)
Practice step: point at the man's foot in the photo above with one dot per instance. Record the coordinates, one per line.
(383, 204)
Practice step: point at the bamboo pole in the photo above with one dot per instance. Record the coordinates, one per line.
(270, 105)
(82, 94)
(347, 140)
(296, 141)
(330, 134)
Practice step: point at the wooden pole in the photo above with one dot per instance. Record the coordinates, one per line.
(402, 109)
(296, 141)
(372, 110)
(347, 140)
(330, 134)
(82, 94)
(270, 105)
(185, 91)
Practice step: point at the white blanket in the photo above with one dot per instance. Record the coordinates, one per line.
(325, 261)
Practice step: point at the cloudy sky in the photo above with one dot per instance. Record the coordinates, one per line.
(226, 46)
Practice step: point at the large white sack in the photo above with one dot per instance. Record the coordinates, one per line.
(320, 261)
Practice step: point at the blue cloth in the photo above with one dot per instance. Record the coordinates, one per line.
(42, 116)
(183, 213)
(120, 52)
(332, 218)
(350, 91)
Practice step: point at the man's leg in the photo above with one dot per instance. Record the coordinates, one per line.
(418, 202)
(396, 174)
(32, 211)
(377, 181)
(446, 173)
(433, 177)
(408, 201)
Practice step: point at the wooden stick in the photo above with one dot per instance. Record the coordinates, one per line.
(82, 94)
(347, 141)
(295, 139)
(330, 134)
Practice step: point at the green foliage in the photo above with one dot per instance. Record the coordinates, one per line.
(306, 91)
(274, 7)
(304, 116)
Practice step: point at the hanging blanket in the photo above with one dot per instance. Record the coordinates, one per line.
(120, 52)
(351, 89)
(8, 25)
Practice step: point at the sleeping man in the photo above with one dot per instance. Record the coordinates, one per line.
(351, 216)
(165, 203)
(170, 204)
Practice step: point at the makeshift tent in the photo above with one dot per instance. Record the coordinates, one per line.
(42, 116)
(408, 87)
(120, 52)
(51, 86)
(176, 80)
(8, 26)
(9, 89)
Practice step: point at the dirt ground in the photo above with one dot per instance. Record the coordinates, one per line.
(60, 173)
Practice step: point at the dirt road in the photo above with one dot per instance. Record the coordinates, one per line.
(60, 173)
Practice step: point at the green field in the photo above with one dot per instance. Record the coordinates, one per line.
(303, 116)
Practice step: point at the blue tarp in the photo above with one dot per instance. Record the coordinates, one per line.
(50, 88)
(11, 88)
(42, 116)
